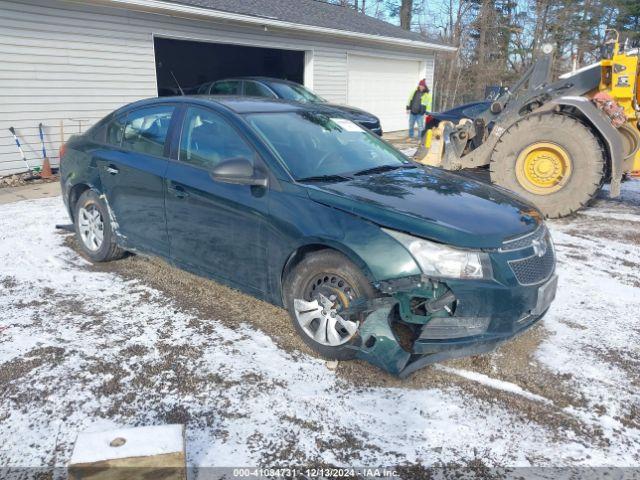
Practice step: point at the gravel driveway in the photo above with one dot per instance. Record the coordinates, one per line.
(138, 342)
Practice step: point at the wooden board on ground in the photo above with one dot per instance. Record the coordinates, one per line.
(130, 453)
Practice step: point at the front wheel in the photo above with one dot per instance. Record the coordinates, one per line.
(316, 291)
(552, 160)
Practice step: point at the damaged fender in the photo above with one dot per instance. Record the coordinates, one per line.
(433, 324)
(376, 342)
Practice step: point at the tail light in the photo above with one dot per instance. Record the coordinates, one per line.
(428, 118)
(63, 150)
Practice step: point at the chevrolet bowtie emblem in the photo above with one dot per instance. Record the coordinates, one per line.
(539, 247)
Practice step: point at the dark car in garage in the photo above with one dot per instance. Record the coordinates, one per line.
(267, 87)
(312, 212)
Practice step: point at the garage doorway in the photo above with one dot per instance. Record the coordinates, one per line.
(195, 63)
(382, 86)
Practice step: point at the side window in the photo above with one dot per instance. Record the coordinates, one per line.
(146, 130)
(115, 129)
(226, 87)
(204, 88)
(474, 110)
(207, 139)
(254, 89)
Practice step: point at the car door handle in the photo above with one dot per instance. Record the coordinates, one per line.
(112, 170)
(178, 191)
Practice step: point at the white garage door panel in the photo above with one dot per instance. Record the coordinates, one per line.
(381, 86)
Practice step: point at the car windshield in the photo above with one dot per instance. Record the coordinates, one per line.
(297, 93)
(318, 146)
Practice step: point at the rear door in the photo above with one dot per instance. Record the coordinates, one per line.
(214, 227)
(132, 176)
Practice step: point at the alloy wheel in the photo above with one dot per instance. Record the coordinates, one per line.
(91, 227)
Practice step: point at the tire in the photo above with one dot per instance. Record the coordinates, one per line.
(89, 205)
(302, 281)
(586, 162)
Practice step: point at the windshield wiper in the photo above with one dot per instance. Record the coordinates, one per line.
(325, 178)
(382, 169)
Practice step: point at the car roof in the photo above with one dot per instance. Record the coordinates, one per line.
(236, 104)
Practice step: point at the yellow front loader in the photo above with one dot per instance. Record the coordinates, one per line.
(554, 143)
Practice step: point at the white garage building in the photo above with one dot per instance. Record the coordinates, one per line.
(66, 64)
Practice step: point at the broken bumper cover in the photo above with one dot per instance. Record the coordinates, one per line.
(492, 315)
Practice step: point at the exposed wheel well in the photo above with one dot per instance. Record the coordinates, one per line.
(297, 256)
(74, 195)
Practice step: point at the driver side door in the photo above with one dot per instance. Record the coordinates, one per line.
(216, 228)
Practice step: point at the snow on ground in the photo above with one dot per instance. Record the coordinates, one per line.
(88, 350)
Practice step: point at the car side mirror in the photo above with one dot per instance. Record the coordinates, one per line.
(239, 171)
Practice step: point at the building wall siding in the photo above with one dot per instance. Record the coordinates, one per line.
(67, 65)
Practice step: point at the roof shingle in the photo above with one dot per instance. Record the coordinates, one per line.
(317, 13)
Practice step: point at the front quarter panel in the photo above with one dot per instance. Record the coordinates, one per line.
(297, 221)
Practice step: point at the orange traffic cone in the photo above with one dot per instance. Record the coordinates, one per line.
(46, 169)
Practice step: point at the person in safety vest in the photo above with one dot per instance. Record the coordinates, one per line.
(419, 103)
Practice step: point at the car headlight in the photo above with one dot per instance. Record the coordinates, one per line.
(438, 260)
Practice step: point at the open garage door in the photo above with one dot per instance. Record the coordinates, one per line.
(195, 63)
(381, 86)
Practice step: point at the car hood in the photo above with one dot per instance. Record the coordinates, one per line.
(352, 112)
(433, 204)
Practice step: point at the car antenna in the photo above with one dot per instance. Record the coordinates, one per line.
(176, 80)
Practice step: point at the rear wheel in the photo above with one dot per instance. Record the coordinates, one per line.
(93, 229)
(316, 291)
(552, 160)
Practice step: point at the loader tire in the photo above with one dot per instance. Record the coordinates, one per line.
(552, 160)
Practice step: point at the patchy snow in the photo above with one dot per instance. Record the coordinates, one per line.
(595, 321)
(410, 151)
(86, 350)
(493, 383)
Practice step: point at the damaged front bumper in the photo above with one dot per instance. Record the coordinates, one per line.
(422, 321)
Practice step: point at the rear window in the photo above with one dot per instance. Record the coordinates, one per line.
(475, 110)
(253, 89)
(231, 87)
(295, 92)
(146, 130)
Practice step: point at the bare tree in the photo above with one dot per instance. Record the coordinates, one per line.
(496, 40)
(406, 12)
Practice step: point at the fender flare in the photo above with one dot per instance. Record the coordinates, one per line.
(598, 120)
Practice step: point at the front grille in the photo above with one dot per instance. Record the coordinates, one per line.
(534, 269)
(525, 241)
